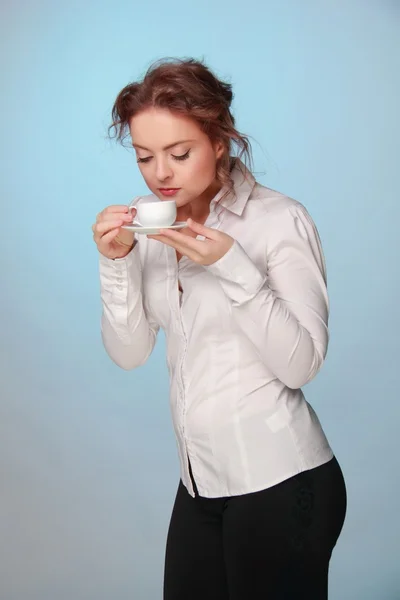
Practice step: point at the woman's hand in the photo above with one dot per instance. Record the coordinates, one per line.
(204, 252)
(111, 240)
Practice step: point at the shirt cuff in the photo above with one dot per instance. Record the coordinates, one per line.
(238, 275)
(118, 277)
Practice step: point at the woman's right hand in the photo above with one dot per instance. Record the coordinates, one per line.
(111, 240)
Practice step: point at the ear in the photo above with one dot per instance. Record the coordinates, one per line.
(219, 149)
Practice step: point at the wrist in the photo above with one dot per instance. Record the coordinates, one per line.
(127, 248)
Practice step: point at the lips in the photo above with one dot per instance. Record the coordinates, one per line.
(169, 191)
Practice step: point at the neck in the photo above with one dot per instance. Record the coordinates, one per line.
(199, 208)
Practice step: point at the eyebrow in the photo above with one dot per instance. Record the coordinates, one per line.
(165, 147)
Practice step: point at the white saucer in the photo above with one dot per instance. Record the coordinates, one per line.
(135, 228)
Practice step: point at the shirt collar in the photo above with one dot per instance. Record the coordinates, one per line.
(243, 185)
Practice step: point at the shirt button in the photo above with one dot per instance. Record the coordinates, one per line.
(120, 280)
(120, 288)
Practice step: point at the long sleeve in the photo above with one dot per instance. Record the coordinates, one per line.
(128, 333)
(284, 311)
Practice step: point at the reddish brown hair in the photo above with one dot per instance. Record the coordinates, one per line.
(189, 88)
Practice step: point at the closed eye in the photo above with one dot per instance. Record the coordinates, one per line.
(182, 156)
(146, 159)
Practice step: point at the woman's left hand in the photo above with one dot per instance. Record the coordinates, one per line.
(204, 252)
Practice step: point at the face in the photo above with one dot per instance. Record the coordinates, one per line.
(177, 160)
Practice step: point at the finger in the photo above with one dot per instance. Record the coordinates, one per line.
(105, 226)
(115, 216)
(108, 237)
(116, 208)
(209, 233)
(185, 240)
(182, 249)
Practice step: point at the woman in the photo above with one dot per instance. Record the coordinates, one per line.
(241, 294)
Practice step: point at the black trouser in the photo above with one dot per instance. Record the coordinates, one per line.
(269, 545)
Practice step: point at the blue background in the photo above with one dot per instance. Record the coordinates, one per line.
(88, 465)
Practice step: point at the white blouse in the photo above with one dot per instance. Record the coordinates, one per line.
(244, 336)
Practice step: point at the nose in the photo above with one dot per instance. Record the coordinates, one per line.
(163, 170)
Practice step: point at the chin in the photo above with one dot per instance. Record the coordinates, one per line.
(182, 201)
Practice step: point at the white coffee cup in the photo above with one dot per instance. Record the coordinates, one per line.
(155, 213)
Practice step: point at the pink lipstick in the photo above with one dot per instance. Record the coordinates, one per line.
(169, 191)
